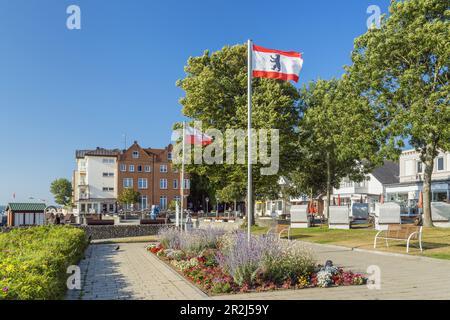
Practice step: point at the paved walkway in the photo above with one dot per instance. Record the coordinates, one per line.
(129, 273)
(133, 273)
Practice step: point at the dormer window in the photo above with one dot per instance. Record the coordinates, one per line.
(135, 154)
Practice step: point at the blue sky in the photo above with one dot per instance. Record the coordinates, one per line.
(62, 90)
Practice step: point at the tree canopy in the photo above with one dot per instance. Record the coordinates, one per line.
(62, 191)
(216, 93)
(128, 196)
(338, 137)
(403, 70)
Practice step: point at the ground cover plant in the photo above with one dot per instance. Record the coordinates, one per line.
(34, 261)
(221, 263)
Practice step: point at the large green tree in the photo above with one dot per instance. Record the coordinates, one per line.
(403, 70)
(62, 191)
(338, 137)
(216, 93)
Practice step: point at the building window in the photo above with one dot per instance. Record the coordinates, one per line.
(107, 189)
(169, 156)
(163, 183)
(139, 168)
(419, 167)
(135, 155)
(177, 198)
(108, 160)
(175, 183)
(163, 202)
(142, 183)
(131, 168)
(147, 169)
(128, 183)
(163, 168)
(143, 202)
(440, 164)
(123, 167)
(187, 184)
(108, 174)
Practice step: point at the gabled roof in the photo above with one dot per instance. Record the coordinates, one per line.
(388, 173)
(101, 152)
(28, 206)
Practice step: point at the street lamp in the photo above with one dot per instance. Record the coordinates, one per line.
(207, 201)
(217, 207)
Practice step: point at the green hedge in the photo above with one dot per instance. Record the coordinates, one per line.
(34, 261)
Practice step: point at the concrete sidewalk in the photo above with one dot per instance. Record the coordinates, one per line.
(402, 277)
(129, 273)
(133, 273)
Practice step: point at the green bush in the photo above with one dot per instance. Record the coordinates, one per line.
(34, 261)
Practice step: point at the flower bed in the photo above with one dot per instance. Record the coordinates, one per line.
(221, 263)
(33, 261)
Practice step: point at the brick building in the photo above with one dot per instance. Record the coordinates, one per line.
(150, 172)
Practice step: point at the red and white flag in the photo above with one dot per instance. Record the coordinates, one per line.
(193, 136)
(276, 64)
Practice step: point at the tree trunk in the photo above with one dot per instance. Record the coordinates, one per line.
(327, 206)
(428, 171)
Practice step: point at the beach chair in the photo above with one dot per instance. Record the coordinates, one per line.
(359, 211)
(339, 217)
(440, 214)
(386, 214)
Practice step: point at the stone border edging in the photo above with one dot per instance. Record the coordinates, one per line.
(383, 253)
(172, 269)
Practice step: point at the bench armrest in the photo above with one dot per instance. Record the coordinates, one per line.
(379, 232)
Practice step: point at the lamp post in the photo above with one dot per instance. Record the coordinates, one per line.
(207, 201)
(217, 207)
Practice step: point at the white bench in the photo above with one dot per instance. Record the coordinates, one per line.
(440, 214)
(339, 217)
(386, 214)
(400, 233)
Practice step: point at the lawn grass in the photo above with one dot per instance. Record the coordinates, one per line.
(435, 241)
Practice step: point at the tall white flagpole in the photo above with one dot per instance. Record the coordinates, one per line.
(249, 139)
(182, 178)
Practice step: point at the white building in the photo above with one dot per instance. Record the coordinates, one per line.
(411, 179)
(95, 181)
(279, 206)
(371, 189)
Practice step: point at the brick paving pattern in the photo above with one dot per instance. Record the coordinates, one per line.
(133, 273)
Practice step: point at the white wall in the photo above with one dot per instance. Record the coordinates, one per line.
(408, 166)
(374, 186)
(94, 177)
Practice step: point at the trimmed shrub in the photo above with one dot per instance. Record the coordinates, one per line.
(34, 261)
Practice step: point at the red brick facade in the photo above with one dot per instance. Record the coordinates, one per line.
(150, 172)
